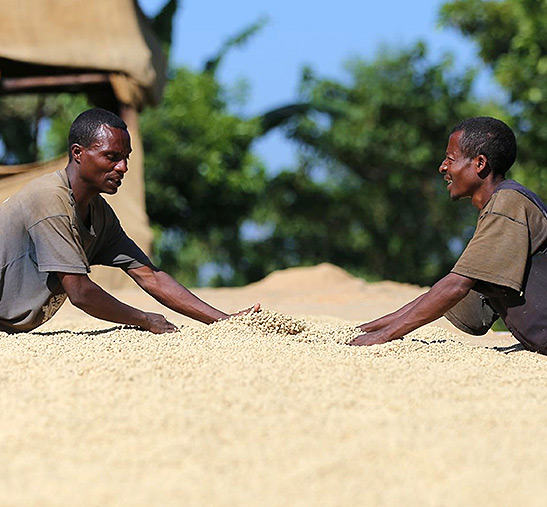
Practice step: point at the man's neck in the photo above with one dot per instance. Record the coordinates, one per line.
(82, 198)
(485, 191)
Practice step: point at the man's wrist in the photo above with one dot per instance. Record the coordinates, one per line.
(142, 320)
(394, 332)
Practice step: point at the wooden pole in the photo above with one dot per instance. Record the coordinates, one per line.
(24, 84)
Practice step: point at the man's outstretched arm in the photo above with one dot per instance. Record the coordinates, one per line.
(425, 309)
(175, 296)
(92, 299)
(382, 322)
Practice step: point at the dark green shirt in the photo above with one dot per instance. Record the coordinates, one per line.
(510, 229)
(507, 257)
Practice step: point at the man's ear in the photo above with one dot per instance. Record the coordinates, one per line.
(482, 163)
(76, 151)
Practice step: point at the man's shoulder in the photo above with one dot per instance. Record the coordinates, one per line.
(506, 198)
(43, 197)
(512, 204)
(43, 186)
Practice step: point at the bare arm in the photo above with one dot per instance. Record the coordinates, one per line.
(175, 296)
(374, 325)
(429, 306)
(92, 299)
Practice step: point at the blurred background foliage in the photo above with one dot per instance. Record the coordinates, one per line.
(370, 183)
(364, 193)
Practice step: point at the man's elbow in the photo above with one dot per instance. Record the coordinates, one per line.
(80, 292)
(79, 298)
(460, 292)
(147, 278)
(459, 286)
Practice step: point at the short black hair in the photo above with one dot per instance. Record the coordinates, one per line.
(489, 137)
(84, 128)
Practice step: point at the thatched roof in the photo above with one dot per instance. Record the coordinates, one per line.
(79, 37)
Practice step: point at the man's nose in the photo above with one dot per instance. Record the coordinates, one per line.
(442, 167)
(121, 166)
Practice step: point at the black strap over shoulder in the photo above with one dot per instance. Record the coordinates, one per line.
(525, 315)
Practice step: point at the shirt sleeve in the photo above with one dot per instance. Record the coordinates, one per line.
(499, 250)
(122, 252)
(118, 249)
(57, 247)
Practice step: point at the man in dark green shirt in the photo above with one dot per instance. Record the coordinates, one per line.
(503, 270)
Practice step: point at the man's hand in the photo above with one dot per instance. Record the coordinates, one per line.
(368, 327)
(253, 309)
(374, 338)
(158, 324)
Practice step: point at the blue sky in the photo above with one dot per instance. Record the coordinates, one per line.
(303, 33)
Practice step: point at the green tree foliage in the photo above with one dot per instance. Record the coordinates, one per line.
(162, 23)
(34, 127)
(375, 203)
(201, 178)
(512, 39)
(20, 119)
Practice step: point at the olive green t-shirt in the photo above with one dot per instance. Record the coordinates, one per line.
(510, 229)
(42, 235)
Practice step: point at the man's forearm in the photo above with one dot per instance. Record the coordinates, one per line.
(432, 305)
(98, 303)
(175, 296)
(183, 301)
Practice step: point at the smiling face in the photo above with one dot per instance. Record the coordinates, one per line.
(459, 171)
(102, 165)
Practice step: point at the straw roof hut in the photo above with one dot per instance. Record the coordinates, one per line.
(103, 48)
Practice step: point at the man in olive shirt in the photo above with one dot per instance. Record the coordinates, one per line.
(503, 270)
(57, 226)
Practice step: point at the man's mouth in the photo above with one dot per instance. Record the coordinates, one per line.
(448, 182)
(116, 182)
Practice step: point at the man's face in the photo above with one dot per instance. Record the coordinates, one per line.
(103, 165)
(459, 171)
